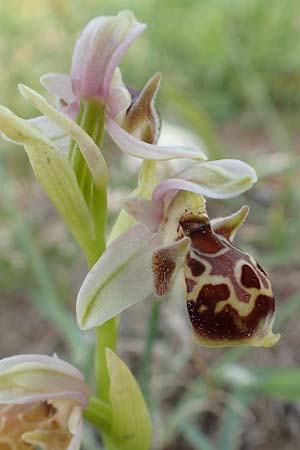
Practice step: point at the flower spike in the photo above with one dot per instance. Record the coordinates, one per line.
(221, 280)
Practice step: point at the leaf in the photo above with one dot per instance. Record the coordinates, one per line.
(131, 423)
(283, 383)
(55, 174)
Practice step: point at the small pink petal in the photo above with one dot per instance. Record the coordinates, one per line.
(148, 212)
(60, 85)
(76, 439)
(117, 102)
(134, 147)
(119, 98)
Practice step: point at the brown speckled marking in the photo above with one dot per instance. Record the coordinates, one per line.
(231, 299)
(228, 325)
(249, 279)
(163, 265)
(190, 284)
(262, 275)
(202, 237)
(197, 268)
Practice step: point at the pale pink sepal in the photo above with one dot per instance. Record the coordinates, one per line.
(98, 51)
(220, 179)
(35, 378)
(134, 147)
(110, 286)
(60, 85)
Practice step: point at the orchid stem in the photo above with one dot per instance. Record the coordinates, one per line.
(106, 337)
(98, 413)
(146, 359)
(92, 119)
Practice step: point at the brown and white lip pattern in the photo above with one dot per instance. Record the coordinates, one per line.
(229, 296)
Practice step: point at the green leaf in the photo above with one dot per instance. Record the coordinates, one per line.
(55, 174)
(88, 147)
(233, 415)
(283, 383)
(195, 436)
(131, 423)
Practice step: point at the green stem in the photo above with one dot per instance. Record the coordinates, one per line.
(99, 414)
(107, 333)
(92, 119)
(106, 337)
(146, 359)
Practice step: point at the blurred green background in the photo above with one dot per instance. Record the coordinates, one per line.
(231, 77)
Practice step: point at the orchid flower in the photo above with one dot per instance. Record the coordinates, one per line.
(96, 78)
(229, 297)
(41, 399)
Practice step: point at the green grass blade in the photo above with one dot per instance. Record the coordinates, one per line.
(195, 436)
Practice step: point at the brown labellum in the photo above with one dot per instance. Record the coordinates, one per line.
(229, 296)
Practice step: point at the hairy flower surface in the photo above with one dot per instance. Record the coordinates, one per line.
(41, 399)
(229, 296)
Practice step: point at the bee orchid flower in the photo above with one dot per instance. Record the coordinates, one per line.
(41, 399)
(229, 297)
(95, 77)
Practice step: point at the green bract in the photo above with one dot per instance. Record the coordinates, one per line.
(131, 424)
(55, 174)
